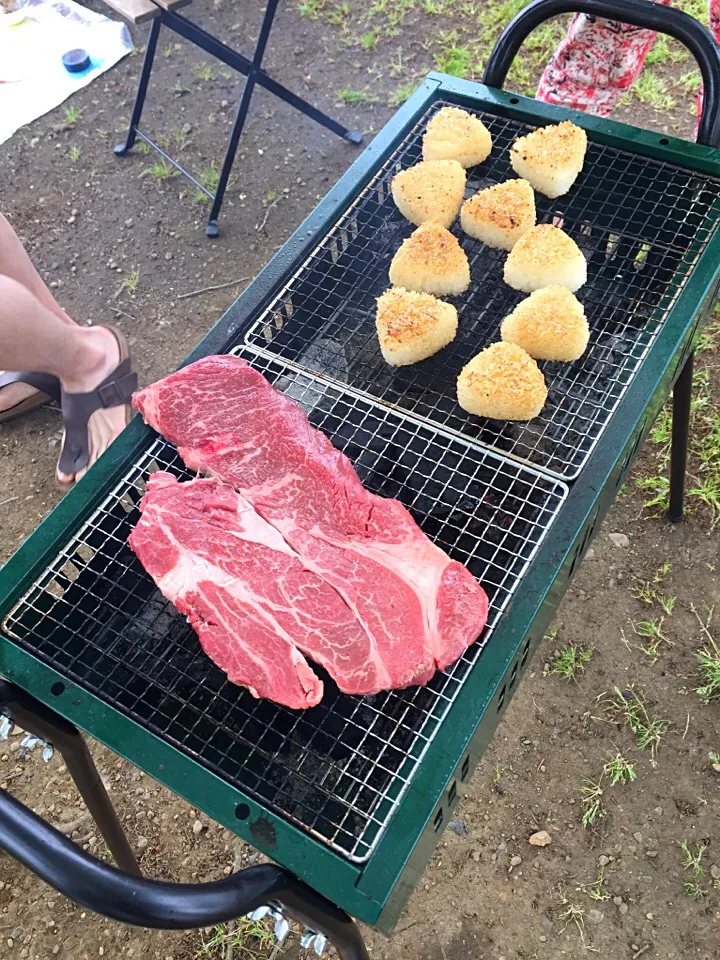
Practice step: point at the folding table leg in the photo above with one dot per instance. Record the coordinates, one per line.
(682, 395)
(44, 723)
(123, 148)
(212, 229)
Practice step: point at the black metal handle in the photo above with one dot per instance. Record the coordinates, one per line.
(639, 13)
(168, 906)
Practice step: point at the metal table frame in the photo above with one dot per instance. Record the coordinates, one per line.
(377, 890)
(255, 76)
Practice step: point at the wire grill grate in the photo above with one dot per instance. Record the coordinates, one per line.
(641, 224)
(337, 770)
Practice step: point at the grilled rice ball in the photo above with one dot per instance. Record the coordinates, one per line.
(455, 134)
(500, 215)
(543, 256)
(413, 326)
(550, 324)
(431, 261)
(503, 383)
(432, 190)
(550, 158)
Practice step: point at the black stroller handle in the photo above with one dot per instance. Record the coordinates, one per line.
(155, 903)
(638, 13)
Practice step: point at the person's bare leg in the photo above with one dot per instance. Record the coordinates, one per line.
(15, 263)
(32, 337)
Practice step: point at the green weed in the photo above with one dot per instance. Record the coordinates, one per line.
(595, 890)
(404, 91)
(651, 632)
(208, 177)
(130, 283)
(74, 154)
(592, 802)
(368, 41)
(630, 708)
(692, 857)
(161, 170)
(652, 90)
(619, 770)
(454, 60)
(355, 97)
(694, 891)
(72, 114)
(571, 661)
(243, 939)
(708, 659)
(203, 72)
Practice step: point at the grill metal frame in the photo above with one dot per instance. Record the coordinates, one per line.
(391, 732)
(377, 890)
(323, 318)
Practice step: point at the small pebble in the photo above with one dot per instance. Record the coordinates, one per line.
(142, 843)
(603, 860)
(168, 255)
(715, 872)
(651, 853)
(476, 855)
(638, 837)
(515, 861)
(617, 901)
(595, 916)
(540, 839)
(623, 908)
(198, 827)
(619, 539)
(649, 916)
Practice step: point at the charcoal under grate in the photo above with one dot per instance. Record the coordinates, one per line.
(339, 769)
(641, 223)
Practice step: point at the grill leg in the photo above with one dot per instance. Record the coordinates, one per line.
(122, 148)
(44, 723)
(682, 395)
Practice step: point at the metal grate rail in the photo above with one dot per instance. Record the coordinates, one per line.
(641, 224)
(337, 770)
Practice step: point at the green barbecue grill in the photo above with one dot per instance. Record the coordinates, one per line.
(349, 799)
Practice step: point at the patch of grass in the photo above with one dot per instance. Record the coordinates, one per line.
(571, 913)
(651, 89)
(72, 114)
(595, 890)
(694, 891)
(571, 661)
(74, 154)
(161, 170)
(208, 177)
(243, 939)
(714, 758)
(630, 708)
(497, 773)
(271, 195)
(454, 60)
(708, 659)
(131, 281)
(666, 51)
(691, 81)
(619, 770)
(692, 857)
(398, 97)
(651, 632)
(592, 802)
(368, 41)
(355, 97)
(203, 72)
(168, 51)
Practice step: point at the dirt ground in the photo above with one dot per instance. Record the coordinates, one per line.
(121, 240)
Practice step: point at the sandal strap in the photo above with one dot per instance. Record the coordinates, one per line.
(45, 382)
(116, 390)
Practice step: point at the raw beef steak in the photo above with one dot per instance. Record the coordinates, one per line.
(418, 609)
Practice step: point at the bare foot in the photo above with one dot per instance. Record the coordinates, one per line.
(14, 393)
(106, 424)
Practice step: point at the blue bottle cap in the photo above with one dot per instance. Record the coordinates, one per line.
(75, 61)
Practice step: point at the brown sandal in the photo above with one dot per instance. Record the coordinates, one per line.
(48, 392)
(116, 390)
